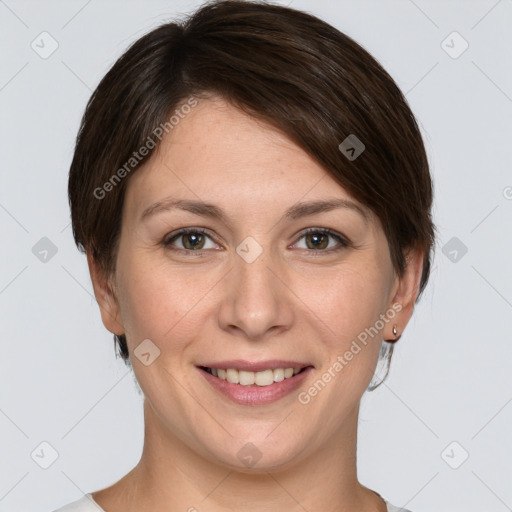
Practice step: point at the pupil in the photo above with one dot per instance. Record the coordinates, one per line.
(195, 239)
(315, 238)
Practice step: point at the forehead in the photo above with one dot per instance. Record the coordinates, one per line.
(218, 152)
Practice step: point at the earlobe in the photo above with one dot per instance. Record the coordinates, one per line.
(406, 294)
(105, 297)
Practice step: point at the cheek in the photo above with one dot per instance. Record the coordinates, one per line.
(161, 303)
(170, 304)
(353, 298)
(349, 300)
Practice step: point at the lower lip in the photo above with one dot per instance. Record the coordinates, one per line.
(256, 395)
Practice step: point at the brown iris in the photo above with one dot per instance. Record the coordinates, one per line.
(316, 237)
(196, 240)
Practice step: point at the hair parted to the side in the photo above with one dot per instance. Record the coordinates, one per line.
(280, 65)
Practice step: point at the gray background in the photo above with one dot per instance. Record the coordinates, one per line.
(450, 380)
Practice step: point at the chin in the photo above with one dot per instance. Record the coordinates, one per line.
(258, 457)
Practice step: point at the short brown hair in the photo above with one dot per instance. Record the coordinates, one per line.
(278, 64)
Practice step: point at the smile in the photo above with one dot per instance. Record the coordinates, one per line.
(247, 378)
(263, 384)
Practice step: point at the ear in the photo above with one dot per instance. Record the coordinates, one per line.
(105, 297)
(406, 293)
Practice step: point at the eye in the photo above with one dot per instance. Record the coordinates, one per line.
(196, 240)
(317, 239)
(192, 240)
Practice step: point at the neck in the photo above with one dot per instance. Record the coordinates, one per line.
(171, 476)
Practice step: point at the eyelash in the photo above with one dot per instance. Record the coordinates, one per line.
(344, 243)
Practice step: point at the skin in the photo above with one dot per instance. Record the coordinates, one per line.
(293, 302)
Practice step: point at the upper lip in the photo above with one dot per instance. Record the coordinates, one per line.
(255, 366)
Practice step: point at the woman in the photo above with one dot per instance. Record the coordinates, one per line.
(253, 195)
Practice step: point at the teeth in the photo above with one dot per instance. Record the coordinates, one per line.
(245, 378)
(278, 375)
(288, 373)
(263, 378)
(232, 376)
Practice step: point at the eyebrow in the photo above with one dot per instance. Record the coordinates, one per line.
(296, 211)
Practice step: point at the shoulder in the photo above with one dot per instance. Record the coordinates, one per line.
(84, 504)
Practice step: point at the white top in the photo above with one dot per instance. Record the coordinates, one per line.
(87, 504)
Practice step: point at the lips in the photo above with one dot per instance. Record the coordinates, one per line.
(255, 383)
(262, 373)
(262, 378)
(255, 366)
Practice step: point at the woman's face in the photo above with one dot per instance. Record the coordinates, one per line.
(246, 288)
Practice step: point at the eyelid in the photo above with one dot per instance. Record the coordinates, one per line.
(343, 241)
(184, 231)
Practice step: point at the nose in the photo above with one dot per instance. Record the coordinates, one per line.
(257, 302)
